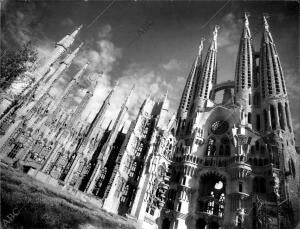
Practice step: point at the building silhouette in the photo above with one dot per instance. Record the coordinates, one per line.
(231, 164)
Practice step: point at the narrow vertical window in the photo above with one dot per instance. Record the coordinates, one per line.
(249, 118)
(281, 119)
(240, 187)
(258, 122)
(273, 119)
(266, 120)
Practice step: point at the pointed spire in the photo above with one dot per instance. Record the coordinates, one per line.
(128, 96)
(122, 128)
(244, 66)
(74, 34)
(68, 40)
(165, 102)
(266, 24)
(271, 74)
(246, 31)
(208, 73)
(201, 46)
(267, 37)
(213, 45)
(190, 88)
(108, 126)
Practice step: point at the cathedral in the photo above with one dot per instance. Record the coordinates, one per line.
(228, 164)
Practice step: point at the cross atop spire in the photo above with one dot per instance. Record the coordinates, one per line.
(246, 31)
(267, 37)
(201, 46)
(213, 45)
(216, 32)
(266, 24)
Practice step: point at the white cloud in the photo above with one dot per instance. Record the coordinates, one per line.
(105, 31)
(102, 58)
(229, 33)
(67, 22)
(173, 64)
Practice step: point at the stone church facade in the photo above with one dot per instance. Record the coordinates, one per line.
(228, 164)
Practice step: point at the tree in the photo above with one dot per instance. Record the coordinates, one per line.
(15, 63)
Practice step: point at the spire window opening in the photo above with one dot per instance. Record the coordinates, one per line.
(249, 118)
(258, 122)
(273, 118)
(266, 120)
(281, 116)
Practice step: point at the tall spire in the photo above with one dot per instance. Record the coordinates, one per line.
(213, 45)
(68, 90)
(81, 106)
(266, 35)
(208, 73)
(271, 75)
(74, 34)
(62, 46)
(68, 40)
(190, 86)
(244, 66)
(128, 96)
(44, 89)
(98, 118)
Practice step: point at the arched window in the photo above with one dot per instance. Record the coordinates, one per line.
(266, 119)
(211, 147)
(258, 122)
(292, 168)
(257, 99)
(273, 119)
(281, 119)
(249, 118)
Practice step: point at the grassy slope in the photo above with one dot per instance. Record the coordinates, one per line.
(41, 206)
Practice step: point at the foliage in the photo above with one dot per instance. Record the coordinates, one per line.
(14, 63)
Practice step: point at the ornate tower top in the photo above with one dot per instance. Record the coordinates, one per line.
(267, 37)
(201, 46)
(246, 31)
(272, 79)
(213, 45)
(244, 66)
(189, 91)
(209, 72)
(68, 40)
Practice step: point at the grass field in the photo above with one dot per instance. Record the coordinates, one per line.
(28, 203)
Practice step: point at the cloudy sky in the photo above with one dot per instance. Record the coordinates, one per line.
(151, 44)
